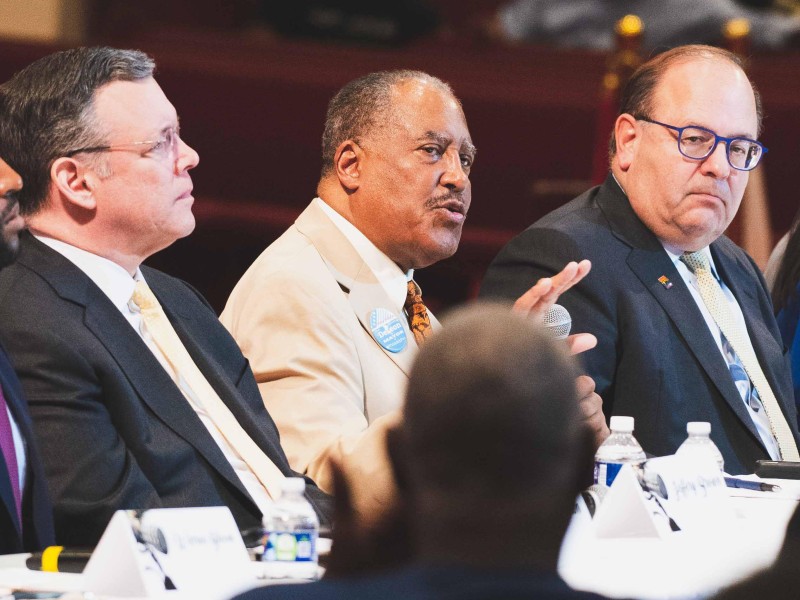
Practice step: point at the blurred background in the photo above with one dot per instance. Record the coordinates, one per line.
(538, 80)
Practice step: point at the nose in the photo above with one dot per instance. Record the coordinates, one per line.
(716, 164)
(10, 181)
(454, 177)
(187, 157)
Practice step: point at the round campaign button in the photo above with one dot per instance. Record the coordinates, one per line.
(387, 330)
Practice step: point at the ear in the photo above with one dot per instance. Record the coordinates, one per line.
(626, 136)
(75, 182)
(348, 162)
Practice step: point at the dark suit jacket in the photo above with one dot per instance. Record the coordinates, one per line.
(37, 514)
(115, 431)
(431, 583)
(655, 360)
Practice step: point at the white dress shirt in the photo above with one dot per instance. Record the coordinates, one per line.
(116, 283)
(19, 448)
(390, 276)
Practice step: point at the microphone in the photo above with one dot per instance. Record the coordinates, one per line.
(57, 559)
(593, 497)
(558, 322)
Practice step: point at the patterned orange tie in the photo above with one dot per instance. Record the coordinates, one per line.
(417, 314)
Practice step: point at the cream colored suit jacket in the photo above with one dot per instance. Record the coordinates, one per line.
(301, 316)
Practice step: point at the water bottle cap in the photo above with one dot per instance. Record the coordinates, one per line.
(293, 484)
(622, 424)
(698, 428)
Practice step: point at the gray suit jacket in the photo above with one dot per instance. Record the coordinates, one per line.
(656, 359)
(115, 431)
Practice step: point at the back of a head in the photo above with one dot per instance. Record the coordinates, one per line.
(492, 418)
(46, 110)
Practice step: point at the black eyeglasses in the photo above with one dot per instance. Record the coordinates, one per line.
(699, 143)
(166, 146)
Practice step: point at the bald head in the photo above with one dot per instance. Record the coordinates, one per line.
(638, 94)
(492, 409)
(492, 446)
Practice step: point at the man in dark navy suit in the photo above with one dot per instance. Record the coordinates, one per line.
(26, 519)
(143, 398)
(682, 315)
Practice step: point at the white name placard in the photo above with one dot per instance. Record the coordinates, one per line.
(692, 489)
(196, 551)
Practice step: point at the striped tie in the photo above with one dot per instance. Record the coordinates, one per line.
(717, 304)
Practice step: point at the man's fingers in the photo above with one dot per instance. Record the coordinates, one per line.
(570, 275)
(529, 299)
(591, 405)
(581, 342)
(584, 385)
(539, 298)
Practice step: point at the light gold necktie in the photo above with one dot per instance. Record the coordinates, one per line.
(164, 336)
(417, 313)
(717, 304)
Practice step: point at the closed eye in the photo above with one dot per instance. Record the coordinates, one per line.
(159, 146)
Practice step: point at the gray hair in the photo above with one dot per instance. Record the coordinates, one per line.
(47, 110)
(361, 105)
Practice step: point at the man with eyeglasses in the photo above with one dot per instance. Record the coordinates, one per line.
(140, 398)
(682, 315)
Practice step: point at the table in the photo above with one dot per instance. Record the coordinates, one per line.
(686, 564)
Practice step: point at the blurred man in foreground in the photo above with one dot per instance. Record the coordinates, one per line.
(493, 452)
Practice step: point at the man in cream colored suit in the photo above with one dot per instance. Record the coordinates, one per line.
(322, 315)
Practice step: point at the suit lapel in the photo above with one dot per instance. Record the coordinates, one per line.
(152, 383)
(649, 261)
(187, 330)
(746, 294)
(356, 279)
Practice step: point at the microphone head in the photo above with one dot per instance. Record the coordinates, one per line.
(558, 322)
(593, 497)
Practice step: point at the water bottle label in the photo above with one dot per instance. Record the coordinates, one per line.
(605, 473)
(290, 546)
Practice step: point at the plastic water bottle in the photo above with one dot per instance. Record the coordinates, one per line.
(620, 448)
(291, 529)
(699, 443)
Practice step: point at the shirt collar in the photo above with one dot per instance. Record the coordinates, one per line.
(114, 281)
(676, 258)
(391, 276)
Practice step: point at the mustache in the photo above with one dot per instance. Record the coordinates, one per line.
(442, 199)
